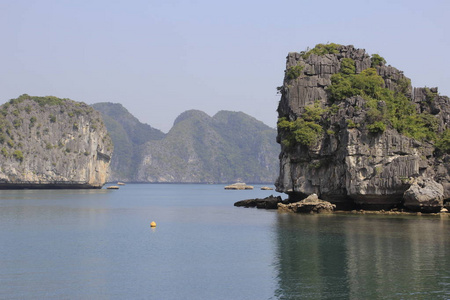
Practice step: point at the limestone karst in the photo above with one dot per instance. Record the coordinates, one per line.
(47, 142)
(355, 132)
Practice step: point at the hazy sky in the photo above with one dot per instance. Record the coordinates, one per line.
(160, 58)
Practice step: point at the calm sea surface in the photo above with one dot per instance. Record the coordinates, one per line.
(98, 244)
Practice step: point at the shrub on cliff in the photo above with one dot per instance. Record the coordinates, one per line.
(398, 111)
(377, 60)
(348, 66)
(299, 132)
(377, 127)
(18, 155)
(322, 49)
(443, 142)
(340, 88)
(314, 112)
(294, 72)
(306, 129)
(47, 100)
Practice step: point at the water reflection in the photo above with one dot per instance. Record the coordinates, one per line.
(361, 257)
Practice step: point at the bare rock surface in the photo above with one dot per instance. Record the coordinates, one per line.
(47, 142)
(270, 202)
(311, 204)
(424, 195)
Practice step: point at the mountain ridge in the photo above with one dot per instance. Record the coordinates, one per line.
(197, 149)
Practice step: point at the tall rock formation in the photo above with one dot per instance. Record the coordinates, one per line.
(355, 132)
(47, 142)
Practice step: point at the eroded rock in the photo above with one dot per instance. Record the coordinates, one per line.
(267, 203)
(424, 195)
(311, 204)
(348, 164)
(49, 142)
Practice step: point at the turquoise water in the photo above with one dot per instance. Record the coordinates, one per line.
(98, 244)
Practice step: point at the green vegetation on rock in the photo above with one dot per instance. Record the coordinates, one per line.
(47, 100)
(443, 142)
(377, 127)
(305, 130)
(18, 155)
(385, 107)
(348, 66)
(299, 132)
(377, 60)
(294, 72)
(322, 49)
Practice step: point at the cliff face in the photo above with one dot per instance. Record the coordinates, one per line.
(355, 132)
(47, 142)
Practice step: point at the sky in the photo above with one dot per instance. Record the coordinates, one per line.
(161, 58)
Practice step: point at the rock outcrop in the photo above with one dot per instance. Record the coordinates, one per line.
(270, 202)
(311, 204)
(355, 132)
(424, 195)
(239, 186)
(47, 142)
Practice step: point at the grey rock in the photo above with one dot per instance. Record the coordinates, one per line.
(348, 165)
(266, 203)
(311, 204)
(62, 144)
(424, 195)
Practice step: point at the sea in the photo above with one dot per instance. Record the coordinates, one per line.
(98, 244)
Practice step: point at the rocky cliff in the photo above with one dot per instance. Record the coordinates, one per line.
(47, 142)
(355, 132)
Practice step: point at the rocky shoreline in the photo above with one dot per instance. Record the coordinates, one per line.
(312, 204)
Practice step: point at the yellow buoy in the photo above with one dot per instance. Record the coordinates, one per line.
(152, 224)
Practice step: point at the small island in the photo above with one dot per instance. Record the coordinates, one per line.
(239, 186)
(52, 143)
(355, 132)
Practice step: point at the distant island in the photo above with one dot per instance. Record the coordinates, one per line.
(52, 143)
(226, 148)
(356, 133)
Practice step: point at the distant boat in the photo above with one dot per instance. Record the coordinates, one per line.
(113, 187)
(120, 183)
